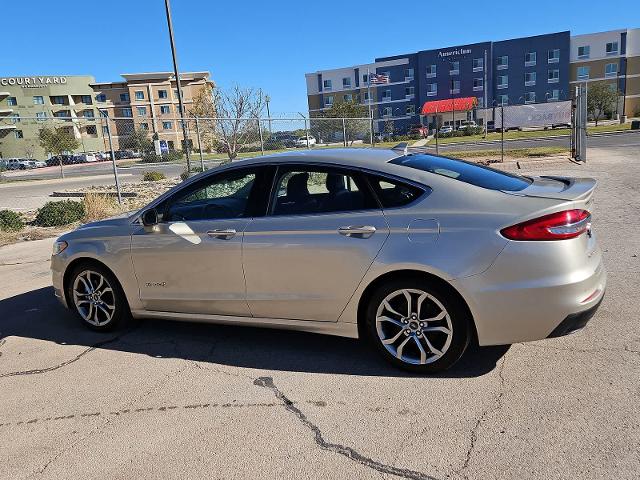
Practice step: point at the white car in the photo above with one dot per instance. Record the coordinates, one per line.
(302, 141)
(17, 164)
(467, 124)
(445, 129)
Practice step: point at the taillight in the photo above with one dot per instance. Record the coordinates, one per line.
(555, 226)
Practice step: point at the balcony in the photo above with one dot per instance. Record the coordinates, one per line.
(529, 83)
(409, 96)
(386, 99)
(502, 86)
(478, 88)
(454, 91)
(432, 93)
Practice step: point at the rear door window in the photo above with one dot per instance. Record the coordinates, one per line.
(394, 193)
(467, 172)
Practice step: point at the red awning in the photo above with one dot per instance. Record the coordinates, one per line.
(459, 105)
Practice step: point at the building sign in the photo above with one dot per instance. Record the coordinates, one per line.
(32, 82)
(538, 115)
(454, 52)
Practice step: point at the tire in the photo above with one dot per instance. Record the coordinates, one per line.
(102, 308)
(388, 319)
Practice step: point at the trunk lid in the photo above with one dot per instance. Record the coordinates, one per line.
(561, 188)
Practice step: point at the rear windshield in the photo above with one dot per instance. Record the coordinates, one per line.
(467, 172)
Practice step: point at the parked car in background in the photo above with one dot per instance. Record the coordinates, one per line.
(467, 124)
(84, 158)
(445, 129)
(304, 141)
(36, 163)
(18, 164)
(286, 139)
(123, 154)
(57, 159)
(419, 130)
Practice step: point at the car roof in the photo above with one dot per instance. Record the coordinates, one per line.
(354, 157)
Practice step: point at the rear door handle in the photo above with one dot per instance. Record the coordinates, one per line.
(225, 233)
(364, 231)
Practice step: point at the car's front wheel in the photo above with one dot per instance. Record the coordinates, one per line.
(97, 298)
(417, 326)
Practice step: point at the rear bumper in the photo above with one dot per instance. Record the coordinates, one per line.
(575, 321)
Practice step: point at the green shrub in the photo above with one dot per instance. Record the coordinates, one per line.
(10, 221)
(184, 175)
(153, 176)
(55, 214)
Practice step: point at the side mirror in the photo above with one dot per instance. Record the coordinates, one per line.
(150, 217)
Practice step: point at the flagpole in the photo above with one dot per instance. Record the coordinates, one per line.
(370, 107)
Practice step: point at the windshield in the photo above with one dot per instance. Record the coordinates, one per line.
(467, 172)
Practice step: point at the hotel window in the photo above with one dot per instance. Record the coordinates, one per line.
(553, 76)
(386, 96)
(480, 102)
(455, 87)
(529, 79)
(144, 126)
(503, 62)
(553, 56)
(611, 70)
(12, 101)
(328, 101)
(530, 97)
(162, 94)
(348, 98)
(41, 116)
(18, 134)
(91, 130)
(554, 97)
(530, 59)
(409, 92)
(38, 100)
(503, 81)
(103, 113)
(88, 114)
(387, 112)
(126, 112)
(101, 97)
(62, 114)
(165, 109)
(432, 89)
(15, 118)
(583, 73)
(478, 64)
(454, 68)
(105, 130)
(431, 71)
(504, 100)
(584, 51)
(478, 84)
(612, 48)
(365, 79)
(410, 110)
(57, 100)
(346, 82)
(124, 97)
(365, 96)
(142, 111)
(408, 74)
(326, 85)
(167, 125)
(86, 99)
(139, 95)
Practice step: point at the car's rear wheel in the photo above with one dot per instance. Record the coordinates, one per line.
(97, 298)
(417, 326)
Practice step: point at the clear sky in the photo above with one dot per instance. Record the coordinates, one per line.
(271, 44)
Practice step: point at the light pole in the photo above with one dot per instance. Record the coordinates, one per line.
(267, 100)
(185, 136)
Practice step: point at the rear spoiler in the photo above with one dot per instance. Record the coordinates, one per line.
(403, 146)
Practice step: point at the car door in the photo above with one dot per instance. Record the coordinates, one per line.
(306, 257)
(191, 262)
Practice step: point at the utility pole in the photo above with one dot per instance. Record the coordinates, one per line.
(484, 86)
(267, 99)
(370, 107)
(185, 136)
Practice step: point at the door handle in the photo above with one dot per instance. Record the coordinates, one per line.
(225, 233)
(364, 231)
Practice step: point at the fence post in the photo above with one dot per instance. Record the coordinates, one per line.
(261, 139)
(306, 128)
(199, 142)
(437, 128)
(371, 126)
(502, 132)
(344, 131)
(113, 161)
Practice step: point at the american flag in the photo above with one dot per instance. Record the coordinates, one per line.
(376, 78)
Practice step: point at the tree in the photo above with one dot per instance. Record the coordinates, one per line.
(139, 140)
(346, 110)
(203, 107)
(236, 118)
(601, 100)
(57, 140)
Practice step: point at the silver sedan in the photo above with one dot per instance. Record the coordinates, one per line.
(416, 253)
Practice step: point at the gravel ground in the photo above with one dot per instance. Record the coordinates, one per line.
(167, 400)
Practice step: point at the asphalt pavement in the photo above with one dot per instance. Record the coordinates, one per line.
(178, 400)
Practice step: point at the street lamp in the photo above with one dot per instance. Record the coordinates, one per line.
(177, 75)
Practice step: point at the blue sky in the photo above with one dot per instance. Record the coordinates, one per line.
(271, 45)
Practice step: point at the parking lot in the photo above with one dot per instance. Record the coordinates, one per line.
(177, 400)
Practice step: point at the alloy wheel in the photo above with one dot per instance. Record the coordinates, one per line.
(414, 326)
(94, 298)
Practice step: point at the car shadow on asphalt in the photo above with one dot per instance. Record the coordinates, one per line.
(37, 314)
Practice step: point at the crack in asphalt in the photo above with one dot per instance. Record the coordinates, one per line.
(350, 453)
(497, 405)
(37, 371)
(10, 264)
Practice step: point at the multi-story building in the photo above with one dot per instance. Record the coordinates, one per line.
(143, 100)
(464, 78)
(613, 58)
